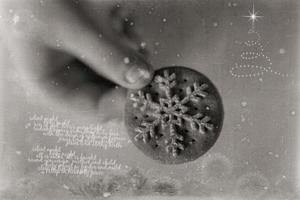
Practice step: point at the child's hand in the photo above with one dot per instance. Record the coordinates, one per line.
(45, 37)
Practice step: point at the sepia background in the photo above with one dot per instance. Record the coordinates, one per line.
(256, 155)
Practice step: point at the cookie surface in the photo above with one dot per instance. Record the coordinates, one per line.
(176, 118)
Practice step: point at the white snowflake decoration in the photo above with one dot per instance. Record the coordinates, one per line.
(170, 112)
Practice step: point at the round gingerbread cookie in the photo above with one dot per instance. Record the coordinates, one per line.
(177, 117)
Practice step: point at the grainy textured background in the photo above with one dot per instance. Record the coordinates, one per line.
(260, 127)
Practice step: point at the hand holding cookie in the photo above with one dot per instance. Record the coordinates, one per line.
(58, 47)
(177, 117)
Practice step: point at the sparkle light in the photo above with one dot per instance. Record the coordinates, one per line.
(253, 16)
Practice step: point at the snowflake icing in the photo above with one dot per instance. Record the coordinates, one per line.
(170, 112)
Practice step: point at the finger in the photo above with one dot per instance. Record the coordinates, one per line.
(111, 59)
(63, 26)
(67, 84)
(83, 90)
(79, 89)
(109, 55)
(123, 23)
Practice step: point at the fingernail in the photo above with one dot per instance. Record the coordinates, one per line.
(136, 74)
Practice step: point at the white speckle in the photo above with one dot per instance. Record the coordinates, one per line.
(58, 43)
(164, 20)
(178, 55)
(106, 194)
(266, 188)
(100, 35)
(16, 19)
(282, 51)
(270, 153)
(155, 52)
(276, 156)
(131, 23)
(215, 24)
(116, 87)
(232, 4)
(283, 176)
(143, 45)
(66, 187)
(244, 103)
(293, 112)
(10, 11)
(18, 152)
(156, 43)
(260, 79)
(243, 119)
(231, 23)
(113, 101)
(126, 60)
(27, 125)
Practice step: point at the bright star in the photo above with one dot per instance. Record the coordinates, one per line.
(253, 16)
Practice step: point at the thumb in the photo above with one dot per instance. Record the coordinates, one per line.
(112, 60)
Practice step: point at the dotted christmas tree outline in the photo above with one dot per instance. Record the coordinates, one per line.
(247, 56)
(251, 56)
(170, 112)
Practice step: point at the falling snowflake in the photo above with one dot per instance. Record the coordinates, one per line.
(282, 51)
(293, 112)
(170, 112)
